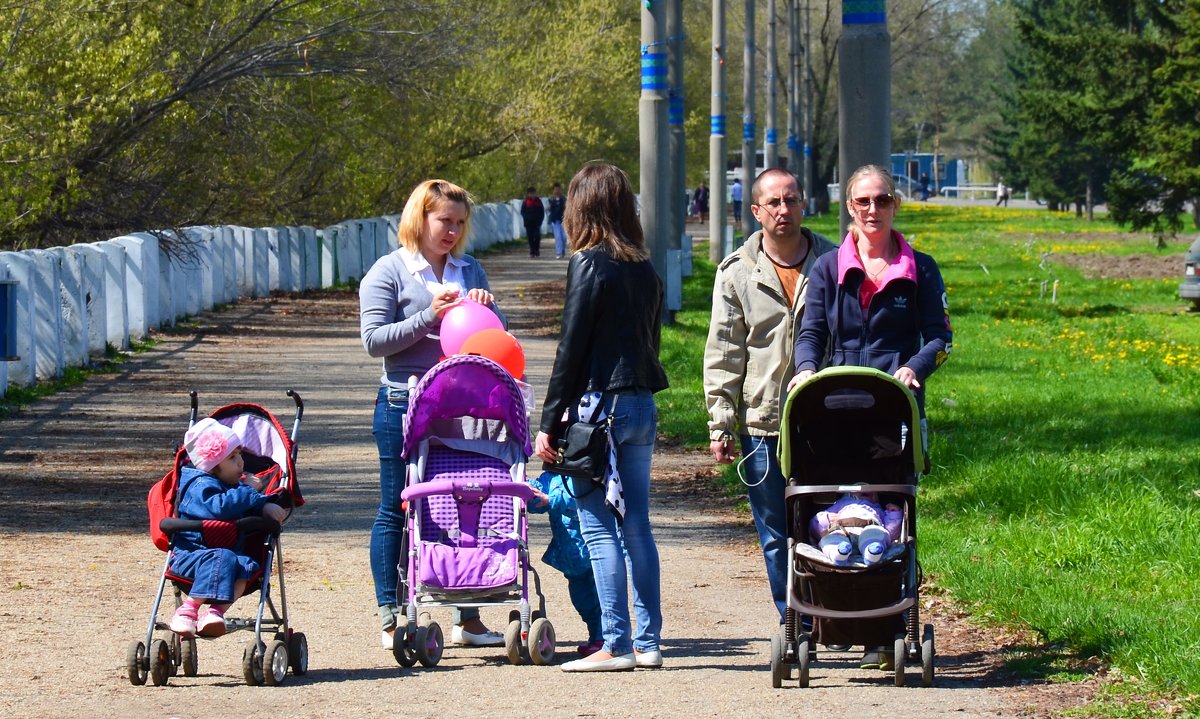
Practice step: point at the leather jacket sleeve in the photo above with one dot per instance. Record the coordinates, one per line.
(569, 376)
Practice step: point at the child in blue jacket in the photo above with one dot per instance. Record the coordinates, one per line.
(213, 488)
(568, 554)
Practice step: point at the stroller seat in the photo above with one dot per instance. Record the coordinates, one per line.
(467, 523)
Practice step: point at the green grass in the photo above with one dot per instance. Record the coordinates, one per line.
(1065, 492)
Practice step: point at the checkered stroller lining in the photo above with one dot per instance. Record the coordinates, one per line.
(468, 522)
(466, 440)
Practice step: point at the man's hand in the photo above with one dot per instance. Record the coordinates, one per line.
(723, 450)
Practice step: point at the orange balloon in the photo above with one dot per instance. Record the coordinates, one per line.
(498, 346)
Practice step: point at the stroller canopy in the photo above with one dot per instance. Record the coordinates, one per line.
(263, 435)
(467, 397)
(851, 414)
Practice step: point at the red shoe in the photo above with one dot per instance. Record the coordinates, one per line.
(590, 648)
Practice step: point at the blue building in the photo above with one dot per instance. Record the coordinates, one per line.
(910, 167)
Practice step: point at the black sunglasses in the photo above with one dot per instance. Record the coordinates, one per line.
(882, 202)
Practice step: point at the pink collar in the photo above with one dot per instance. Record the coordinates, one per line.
(904, 266)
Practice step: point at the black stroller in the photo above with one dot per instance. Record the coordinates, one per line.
(270, 453)
(848, 431)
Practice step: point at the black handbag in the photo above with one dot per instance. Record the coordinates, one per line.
(581, 450)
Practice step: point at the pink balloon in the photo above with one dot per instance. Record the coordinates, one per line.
(464, 320)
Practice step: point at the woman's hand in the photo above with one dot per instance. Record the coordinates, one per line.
(800, 377)
(443, 301)
(907, 377)
(542, 448)
(481, 296)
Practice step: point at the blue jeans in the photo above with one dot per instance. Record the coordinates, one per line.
(761, 468)
(582, 589)
(560, 239)
(635, 422)
(388, 531)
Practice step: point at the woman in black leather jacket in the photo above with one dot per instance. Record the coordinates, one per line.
(608, 353)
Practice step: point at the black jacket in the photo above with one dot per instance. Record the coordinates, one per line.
(533, 212)
(610, 332)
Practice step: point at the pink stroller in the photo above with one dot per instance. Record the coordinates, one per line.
(466, 439)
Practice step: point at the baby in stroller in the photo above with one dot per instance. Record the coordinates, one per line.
(214, 488)
(856, 527)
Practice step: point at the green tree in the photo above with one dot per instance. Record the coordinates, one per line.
(1164, 177)
(1082, 69)
(153, 113)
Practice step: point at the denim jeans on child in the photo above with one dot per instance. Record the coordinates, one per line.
(635, 421)
(582, 590)
(765, 492)
(387, 533)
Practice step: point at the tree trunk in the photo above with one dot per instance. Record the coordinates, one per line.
(1089, 198)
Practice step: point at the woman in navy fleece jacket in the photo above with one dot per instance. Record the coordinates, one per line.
(876, 302)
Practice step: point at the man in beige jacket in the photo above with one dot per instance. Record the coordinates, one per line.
(758, 299)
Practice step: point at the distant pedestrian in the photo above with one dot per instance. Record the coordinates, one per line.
(1001, 193)
(700, 200)
(558, 204)
(532, 214)
(735, 198)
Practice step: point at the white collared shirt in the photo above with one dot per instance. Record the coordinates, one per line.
(419, 267)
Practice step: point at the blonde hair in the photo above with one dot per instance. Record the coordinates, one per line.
(866, 171)
(424, 199)
(879, 171)
(602, 212)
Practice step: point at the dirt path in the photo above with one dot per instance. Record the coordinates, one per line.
(78, 574)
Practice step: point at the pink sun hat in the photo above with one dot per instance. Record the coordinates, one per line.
(209, 443)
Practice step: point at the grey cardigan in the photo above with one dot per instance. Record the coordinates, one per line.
(396, 317)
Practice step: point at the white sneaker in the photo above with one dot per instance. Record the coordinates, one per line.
(387, 640)
(461, 636)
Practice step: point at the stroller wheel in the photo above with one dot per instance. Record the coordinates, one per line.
(136, 664)
(927, 655)
(403, 649)
(899, 654)
(429, 644)
(541, 642)
(275, 663)
(160, 662)
(777, 668)
(189, 657)
(252, 666)
(804, 657)
(298, 653)
(512, 642)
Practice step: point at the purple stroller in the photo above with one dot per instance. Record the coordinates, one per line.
(466, 439)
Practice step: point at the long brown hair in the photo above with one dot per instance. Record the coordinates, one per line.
(424, 198)
(602, 212)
